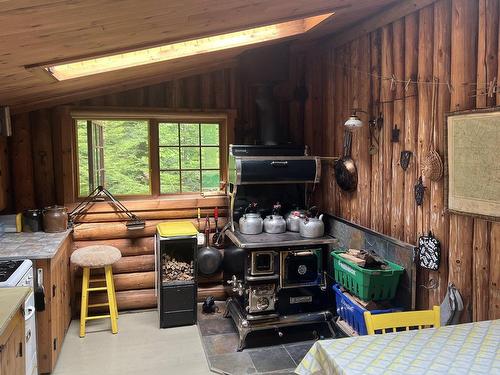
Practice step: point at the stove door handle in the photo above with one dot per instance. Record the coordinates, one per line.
(279, 164)
(303, 253)
(29, 311)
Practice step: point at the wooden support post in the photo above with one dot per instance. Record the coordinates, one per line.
(387, 96)
(439, 220)
(397, 183)
(376, 192)
(410, 135)
(425, 64)
(463, 70)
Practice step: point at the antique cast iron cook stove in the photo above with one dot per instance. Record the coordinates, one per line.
(274, 280)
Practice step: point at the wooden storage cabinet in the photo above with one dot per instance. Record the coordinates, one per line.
(12, 347)
(53, 323)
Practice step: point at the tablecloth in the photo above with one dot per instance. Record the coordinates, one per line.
(472, 348)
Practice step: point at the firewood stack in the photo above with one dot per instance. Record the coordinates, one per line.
(365, 259)
(175, 270)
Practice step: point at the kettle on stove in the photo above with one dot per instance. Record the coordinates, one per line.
(275, 223)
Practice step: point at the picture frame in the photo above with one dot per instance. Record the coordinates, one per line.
(471, 163)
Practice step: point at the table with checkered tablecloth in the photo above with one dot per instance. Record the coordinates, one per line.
(472, 348)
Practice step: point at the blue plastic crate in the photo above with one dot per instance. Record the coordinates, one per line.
(352, 313)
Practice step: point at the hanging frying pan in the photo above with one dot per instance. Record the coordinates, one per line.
(346, 173)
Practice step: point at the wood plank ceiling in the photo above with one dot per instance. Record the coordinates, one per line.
(42, 31)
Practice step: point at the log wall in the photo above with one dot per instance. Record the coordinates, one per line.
(35, 163)
(452, 41)
(33, 156)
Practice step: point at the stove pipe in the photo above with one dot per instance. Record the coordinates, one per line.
(267, 115)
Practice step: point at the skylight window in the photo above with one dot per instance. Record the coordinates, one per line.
(172, 51)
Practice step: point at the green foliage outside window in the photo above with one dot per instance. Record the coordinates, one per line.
(126, 157)
(189, 157)
(188, 154)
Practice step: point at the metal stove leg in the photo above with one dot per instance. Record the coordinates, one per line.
(243, 337)
(226, 311)
(332, 331)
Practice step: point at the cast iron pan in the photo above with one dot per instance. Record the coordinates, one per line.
(346, 173)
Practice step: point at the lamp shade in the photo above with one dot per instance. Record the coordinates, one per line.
(353, 122)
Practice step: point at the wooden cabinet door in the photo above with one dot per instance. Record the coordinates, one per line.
(53, 323)
(12, 348)
(61, 297)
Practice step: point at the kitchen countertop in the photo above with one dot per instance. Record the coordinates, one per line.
(10, 301)
(38, 245)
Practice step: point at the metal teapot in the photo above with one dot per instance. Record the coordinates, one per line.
(293, 220)
(275, 223)
(312, 226)
(251, 222)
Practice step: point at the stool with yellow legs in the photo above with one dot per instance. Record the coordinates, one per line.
(92, 257)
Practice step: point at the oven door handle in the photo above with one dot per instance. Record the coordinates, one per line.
(303, 253)
(30, 311)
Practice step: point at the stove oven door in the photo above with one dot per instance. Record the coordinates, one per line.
(301, 268)
(302, 300)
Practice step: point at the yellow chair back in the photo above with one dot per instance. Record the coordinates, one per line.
(402, 321)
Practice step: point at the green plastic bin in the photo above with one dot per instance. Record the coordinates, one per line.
(369, 285)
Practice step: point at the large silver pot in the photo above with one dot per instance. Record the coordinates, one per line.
(312, 227)
(293, 220)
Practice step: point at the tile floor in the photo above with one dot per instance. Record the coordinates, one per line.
(279, 356)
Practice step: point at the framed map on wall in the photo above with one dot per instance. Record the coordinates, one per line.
(472, 163)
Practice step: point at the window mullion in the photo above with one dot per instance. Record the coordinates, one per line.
(180, 157)
(90, 156)
(154, 157)
(199, 150)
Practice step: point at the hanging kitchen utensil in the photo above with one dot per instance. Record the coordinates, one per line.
(375, 125)
(404, 159)
(372, 126)
(346, 173)
(39, 291)
(99, 195)
(395, 134)
(209, 259)
(419, 191)
(432, 165)
(428, 252)
(216, 220)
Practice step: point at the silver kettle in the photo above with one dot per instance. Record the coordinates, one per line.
(312, 227)
(275, 223)
(251, 222)
(293, 220)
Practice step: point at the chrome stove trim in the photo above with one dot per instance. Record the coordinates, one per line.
(246, 326)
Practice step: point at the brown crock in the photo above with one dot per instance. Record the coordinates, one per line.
(55, 219)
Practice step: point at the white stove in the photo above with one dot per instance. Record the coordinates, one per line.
(20, 273)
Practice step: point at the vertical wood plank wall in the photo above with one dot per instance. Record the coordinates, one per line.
(453, 41)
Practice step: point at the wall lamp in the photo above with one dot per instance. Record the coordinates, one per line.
(354, 122)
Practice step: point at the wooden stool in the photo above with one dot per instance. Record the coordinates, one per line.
(97, 256)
